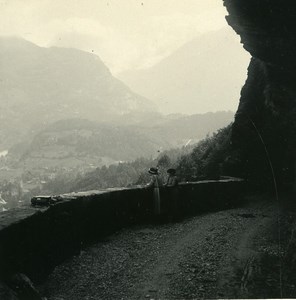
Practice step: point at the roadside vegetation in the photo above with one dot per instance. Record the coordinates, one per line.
(210, 158)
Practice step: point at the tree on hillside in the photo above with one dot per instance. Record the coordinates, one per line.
(208, 159)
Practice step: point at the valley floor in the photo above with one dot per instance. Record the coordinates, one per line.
(236, 253)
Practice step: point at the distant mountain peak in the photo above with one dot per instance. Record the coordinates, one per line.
(42, 85)
(205, 74)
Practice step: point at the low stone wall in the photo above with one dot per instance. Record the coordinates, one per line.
(34, 240)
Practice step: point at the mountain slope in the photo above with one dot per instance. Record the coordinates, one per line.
(204, 75)
(77, 142)
(42, 85)
(180, 130)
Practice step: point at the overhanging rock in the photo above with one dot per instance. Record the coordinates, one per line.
(265, 123)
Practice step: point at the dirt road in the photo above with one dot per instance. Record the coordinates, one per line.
(229, 254)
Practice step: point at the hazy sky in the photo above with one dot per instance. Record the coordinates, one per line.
(124, 33)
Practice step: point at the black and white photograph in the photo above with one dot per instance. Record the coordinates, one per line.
(147, 149)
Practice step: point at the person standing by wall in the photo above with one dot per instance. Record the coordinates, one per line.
(155, 183)
(172, 193)
(172, 179)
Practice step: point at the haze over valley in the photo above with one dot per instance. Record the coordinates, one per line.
(64, 112)
(43, 85)
(203, 75)
(147, 149)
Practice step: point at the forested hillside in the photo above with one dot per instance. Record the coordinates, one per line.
(208, 159)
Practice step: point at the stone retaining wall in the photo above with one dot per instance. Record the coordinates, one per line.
(34, 240)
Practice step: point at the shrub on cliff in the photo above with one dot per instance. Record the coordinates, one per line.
(210, 159)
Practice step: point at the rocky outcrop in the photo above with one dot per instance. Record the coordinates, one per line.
(265, 123)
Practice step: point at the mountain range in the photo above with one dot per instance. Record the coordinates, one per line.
(39, 86)
(63, 112)
(206, 74)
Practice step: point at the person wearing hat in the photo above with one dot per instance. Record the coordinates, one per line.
(172, 178)
(172, 193)
(155, 183)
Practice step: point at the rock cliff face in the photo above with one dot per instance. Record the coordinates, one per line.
(265, 123)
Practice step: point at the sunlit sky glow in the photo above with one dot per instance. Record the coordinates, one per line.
(126, 34)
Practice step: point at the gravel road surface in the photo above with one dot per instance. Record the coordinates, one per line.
(236, 253)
